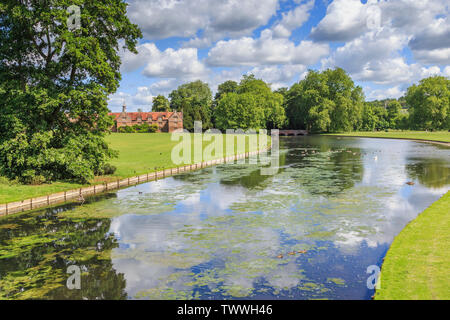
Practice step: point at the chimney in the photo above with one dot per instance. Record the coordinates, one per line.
(124, 108)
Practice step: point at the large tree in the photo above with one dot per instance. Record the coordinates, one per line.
(264, 109)
(195, 100)
(325, 101)
(160, 104)
(429, 103)
(55, 78)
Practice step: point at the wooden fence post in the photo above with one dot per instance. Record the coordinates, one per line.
(94, 190)
(65, 196)
(6, 209)
(31, 203)
(48, 200)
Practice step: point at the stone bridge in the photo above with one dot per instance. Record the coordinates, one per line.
(293, 133)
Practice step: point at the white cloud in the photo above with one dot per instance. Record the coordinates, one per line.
(381, 94)
(143, 97)
(344, 21)
(293, 19)
(169, 63)
(348, 19)
(161, 19)
(446, 72)
(265, 51)
(440, 56)
(279, 76)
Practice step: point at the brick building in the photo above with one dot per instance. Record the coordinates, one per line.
(166, 121)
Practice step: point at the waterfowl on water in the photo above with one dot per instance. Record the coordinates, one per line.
(302, 251)
(280, 256)
(410, 183)
(291, 253)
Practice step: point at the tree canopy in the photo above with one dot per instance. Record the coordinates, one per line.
(195, 100)
(325, 101)
(250, 105)
(161, 104)
(54, 84)
(429, 104)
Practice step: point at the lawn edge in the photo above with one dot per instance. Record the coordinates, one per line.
(70, 195)
(396, 251)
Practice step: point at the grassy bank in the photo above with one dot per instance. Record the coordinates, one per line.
(440, 136)
(139, 153)
(417, 263)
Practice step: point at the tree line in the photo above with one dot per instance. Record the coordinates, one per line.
(323, 102)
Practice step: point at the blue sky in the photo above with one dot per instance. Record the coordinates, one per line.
(384, 45)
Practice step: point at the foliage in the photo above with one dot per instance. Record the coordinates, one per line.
(194, 99)
(429, 104)
(54, 85)
(416, 265)
(226, 87)
(252, 105)
(325, 101)
(161, 104)
(139, 128)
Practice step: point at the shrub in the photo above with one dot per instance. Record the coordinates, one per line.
(109, 169)
(139, 128)
(153, 128)
(126, 129)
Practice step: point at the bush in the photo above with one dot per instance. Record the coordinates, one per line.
(126, 129)
(153, 128)
(139, 128)
(109, 169)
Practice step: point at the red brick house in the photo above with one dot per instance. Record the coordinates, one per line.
(166, 121)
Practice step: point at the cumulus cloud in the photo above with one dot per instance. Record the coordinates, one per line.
(279, 76)
(435, 36)
(161, 19)
(169, 63)
(265, 51)
(344, 21)
(381, 94)
(293, 19)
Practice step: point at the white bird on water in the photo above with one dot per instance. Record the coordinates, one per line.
(375, 158)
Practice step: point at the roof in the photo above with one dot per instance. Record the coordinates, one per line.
(144, 115)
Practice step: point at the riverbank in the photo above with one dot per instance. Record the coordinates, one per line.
(416, 267)
(139, 154)
(440, 137)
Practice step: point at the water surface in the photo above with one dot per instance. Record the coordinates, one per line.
(219, 233)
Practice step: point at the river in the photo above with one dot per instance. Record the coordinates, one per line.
(311, 231)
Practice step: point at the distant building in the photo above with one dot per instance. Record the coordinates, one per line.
(166, 121)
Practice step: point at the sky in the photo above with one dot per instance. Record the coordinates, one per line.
(385, 46)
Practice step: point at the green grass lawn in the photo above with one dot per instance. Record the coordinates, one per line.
(442, 136)
(417, 265)
(139, 153)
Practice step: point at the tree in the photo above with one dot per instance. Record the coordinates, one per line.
(226, 87)
(393, 113)
(429, 103)
(54, 85)
(239, 111)
(264, 110)
(195, 100)
(325, 101)
(160, 104)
